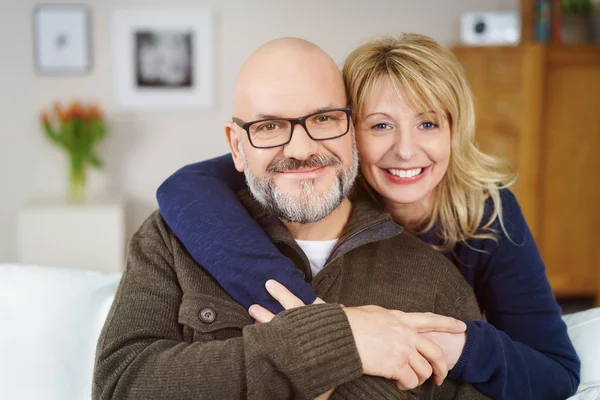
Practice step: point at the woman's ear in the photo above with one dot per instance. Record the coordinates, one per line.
(235, 142)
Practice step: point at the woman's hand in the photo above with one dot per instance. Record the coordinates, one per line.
(452, 345)
(325, 395)
(288, 301)
(283, 296)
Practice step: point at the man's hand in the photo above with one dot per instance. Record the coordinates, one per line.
(452, 344)
(390, 343)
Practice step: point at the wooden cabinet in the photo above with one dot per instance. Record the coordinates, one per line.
(539, 107)
(570, 240)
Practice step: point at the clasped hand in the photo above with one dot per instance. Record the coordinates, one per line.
(407, 348)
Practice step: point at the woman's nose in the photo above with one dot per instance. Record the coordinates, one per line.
(404, 147)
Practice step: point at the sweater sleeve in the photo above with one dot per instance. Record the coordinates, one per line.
(142, 353)
(523, 351)
(199, 203)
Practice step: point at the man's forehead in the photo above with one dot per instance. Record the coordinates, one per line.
(281, 113)
(287, 79)
(287, 102)
(289, 112)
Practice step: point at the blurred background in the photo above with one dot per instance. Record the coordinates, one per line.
(534, 67)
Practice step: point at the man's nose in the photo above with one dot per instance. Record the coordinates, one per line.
(301, 146)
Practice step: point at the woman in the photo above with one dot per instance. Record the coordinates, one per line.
(415, 124)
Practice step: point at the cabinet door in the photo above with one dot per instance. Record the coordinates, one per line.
(504, 70)
(571, 182)
(473, 64)
(499, 139)
(507, 85)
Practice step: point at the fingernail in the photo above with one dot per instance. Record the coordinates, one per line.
(270, 284)
(252, 309)
(462, 325)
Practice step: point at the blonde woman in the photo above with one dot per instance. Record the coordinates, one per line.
(415, 130)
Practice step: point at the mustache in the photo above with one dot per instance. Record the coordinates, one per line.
(314, 161)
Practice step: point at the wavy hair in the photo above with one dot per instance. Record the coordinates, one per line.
(431, 78)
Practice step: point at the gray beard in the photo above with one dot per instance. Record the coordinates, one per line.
(309, 206)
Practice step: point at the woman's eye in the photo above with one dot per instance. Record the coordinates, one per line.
(380, 127)
(428, 125)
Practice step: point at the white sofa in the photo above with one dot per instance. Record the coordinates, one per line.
(50, 319)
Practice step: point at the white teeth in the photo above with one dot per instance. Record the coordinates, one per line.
(403, 173)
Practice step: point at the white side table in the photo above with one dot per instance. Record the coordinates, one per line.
(84, 236)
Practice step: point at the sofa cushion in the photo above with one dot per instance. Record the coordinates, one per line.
(584, 331)
(51, 319)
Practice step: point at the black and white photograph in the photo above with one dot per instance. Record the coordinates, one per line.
(164, 59)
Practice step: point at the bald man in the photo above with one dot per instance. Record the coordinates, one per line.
(174, 333)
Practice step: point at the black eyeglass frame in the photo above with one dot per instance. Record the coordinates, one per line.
(295, 121)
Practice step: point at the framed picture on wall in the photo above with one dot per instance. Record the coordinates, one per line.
(163, 58)
(62, 39)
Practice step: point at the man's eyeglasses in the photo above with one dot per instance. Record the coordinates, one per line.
(276, 132)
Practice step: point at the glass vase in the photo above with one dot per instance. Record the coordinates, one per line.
(76, 180)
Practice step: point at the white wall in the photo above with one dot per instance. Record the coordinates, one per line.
(143, 148)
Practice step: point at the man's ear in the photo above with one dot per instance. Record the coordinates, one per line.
(234, 141)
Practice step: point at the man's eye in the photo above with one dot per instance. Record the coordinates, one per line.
(267, 127)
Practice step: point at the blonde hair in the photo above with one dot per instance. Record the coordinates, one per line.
(431, 78)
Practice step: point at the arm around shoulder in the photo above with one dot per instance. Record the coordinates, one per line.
(199, 203)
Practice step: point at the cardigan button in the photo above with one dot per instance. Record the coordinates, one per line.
(208, 315)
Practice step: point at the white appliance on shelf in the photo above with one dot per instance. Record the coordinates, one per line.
(490, 28)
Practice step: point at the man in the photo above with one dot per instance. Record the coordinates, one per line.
(173, 332)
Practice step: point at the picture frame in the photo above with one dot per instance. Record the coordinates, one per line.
(163, 58)
(62, 39)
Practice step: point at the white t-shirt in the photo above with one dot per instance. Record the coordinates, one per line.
(317, 252)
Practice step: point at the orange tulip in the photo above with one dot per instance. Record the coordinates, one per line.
(76, 109)
(45, 118)
(95, 112)
(60, 112)
(83, 112)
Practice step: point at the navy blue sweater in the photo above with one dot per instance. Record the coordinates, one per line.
(521, 352)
